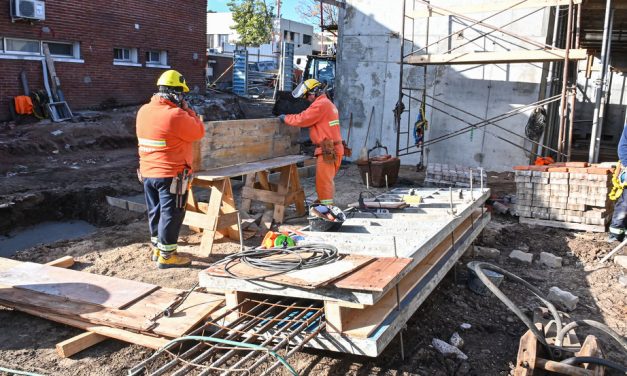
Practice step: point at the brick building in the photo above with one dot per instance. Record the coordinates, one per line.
(105, 53)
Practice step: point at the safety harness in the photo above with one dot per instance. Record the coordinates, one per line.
(617, 185)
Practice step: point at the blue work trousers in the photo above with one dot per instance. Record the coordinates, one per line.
(618, 225)
(164, 218)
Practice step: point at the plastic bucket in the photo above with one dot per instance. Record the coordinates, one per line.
(477, 286)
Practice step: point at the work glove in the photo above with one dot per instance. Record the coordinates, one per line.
(282, 118)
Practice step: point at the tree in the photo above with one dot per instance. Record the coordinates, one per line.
(253, 21)
(309, 10)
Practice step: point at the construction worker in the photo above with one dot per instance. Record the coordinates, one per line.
(619, 181)
(322, 119)
(166, 129)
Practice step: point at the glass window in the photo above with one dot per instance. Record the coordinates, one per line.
(153, 57)
(210, 41)
(23, 46)
(61, 49)
(306, 39)
(122, 54)
(223, 39)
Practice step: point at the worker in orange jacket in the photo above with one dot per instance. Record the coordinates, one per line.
(322, 119)
(166, 129)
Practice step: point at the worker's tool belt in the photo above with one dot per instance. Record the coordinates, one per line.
(180, 185)
(328, 149)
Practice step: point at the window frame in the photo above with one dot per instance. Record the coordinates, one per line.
(307, 36)
(133, 57)
(163, 59)
(76, 49)
(12, 52)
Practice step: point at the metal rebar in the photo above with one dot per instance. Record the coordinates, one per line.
(571, 125)
(398, 306)
(471, 194)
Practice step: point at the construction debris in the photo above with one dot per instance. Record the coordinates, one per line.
(486, 252)
(550, 260)
(563, 298)
(521, 256)
(448, 350)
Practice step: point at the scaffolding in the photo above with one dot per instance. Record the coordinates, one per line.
(411, 138)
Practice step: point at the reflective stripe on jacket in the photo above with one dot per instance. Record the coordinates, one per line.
(323, 121)
(165, 134)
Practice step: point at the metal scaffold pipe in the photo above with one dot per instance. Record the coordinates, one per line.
(595, 136)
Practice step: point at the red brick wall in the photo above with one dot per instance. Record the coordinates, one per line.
(99, 26)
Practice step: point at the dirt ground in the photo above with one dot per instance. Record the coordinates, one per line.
(67, 176)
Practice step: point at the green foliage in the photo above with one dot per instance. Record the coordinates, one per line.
(253, 21)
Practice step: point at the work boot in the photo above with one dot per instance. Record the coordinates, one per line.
(154, 256)
(172, 260)
(611, 238)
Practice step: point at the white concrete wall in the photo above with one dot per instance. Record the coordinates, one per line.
(368, 75)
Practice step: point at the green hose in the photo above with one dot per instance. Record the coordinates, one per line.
(225, 342)
(16, 372)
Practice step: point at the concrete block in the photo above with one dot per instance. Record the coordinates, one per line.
(550, 260)
(578, 207)
(562, 298)
(541, 174)
(621, 260)
(539, 180)
(523, 173)
(521, 256)
(622, 280)
(486, 252)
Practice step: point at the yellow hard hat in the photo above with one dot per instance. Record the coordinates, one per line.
(305, 87)
(174, 79)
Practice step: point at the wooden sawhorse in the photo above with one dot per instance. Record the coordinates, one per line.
(220, 213)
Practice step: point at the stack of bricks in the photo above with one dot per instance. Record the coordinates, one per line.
(572, 192)
(444, 175)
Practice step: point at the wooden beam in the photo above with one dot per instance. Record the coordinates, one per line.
(63, 262)
(424, 11)
(78, 343)
(498, 57)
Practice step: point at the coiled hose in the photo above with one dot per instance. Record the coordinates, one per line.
(595, 324)
(265, 259)
(591, 359)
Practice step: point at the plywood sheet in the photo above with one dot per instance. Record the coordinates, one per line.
(249, 168)
(241, 141)
(307, 278)
(194, 309)
(376, 276)
(78, 286)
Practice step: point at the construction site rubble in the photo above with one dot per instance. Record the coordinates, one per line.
(448, 349)
(562, 298)
(521, 256)
(550, 260)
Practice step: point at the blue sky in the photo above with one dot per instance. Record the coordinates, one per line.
(288, 7)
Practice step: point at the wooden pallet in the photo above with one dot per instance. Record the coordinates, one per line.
(564, 225)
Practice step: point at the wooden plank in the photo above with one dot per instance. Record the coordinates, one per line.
(248, 168)
(194, 309)
(375, 276)
(116, 333)
(200, 220)
(78, 343)
(16, 298)
(497, 57)
(461, 8)
(266, 196)
(306, 278)
(78, 286)
(233, 142)
(558, 224)
(63, 262)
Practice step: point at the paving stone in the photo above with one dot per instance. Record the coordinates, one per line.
(521, 256)
(621, 260)
(562, 298)
(550, 260)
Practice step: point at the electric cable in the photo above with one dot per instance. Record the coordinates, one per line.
(594, 324)
(594, 360)
(292, 258)
(478, 269)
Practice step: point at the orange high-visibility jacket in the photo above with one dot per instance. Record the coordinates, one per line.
(323, 121)
(165, 134)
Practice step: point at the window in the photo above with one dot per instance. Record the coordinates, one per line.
(122, 54)
(22, 46)
(125, 56)
(156, 58)
(61, 49)
(223, 39)
(211, 43)
(306, 39)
